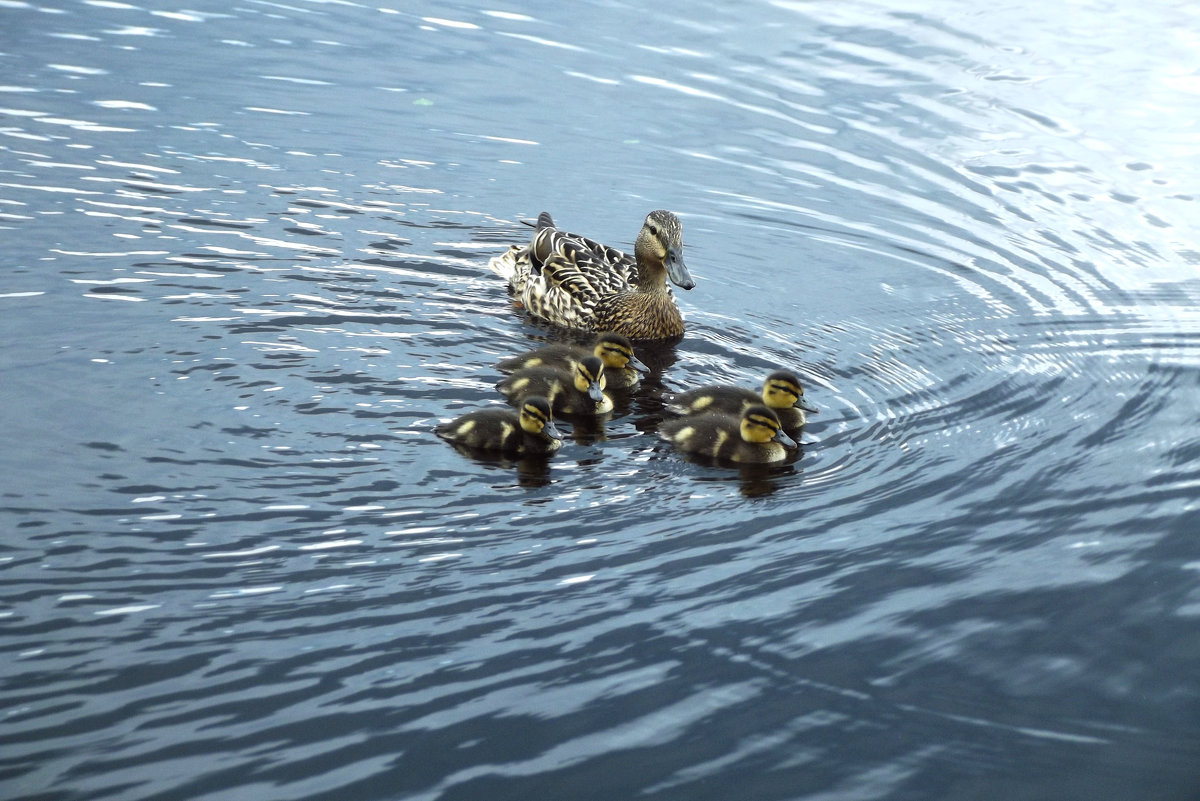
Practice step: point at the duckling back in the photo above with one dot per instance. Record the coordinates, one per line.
(753, 437)
(621, 366)
(579, 391)
(529, 430)
(716, 399)
(781, 391)
(559, 356)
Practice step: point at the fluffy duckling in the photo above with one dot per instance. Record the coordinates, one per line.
(530, 430)
(578, 391)
(571, 281)
(621, 367)
(781, 392)
(756, 437)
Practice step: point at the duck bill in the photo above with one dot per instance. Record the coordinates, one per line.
(784, 440)
(551, 430)
(637, 364)
(677, 271)
(594, 391)
(806, 406)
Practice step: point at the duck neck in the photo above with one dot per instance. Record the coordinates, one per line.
(652, 277)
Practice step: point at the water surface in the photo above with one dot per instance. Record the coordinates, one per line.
(245, 254)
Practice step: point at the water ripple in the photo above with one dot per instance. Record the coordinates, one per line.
(242, 563)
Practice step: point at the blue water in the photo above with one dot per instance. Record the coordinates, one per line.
(244, 276)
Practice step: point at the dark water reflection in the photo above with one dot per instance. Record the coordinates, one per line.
(245, 278)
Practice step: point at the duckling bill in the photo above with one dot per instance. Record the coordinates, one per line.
(754, 437)
(528, 431)
(579, 391)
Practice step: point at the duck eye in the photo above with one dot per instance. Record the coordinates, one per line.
(653, 229)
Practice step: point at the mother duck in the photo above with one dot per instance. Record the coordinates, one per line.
(575, 282)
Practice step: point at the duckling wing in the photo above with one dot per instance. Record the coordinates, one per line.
(560, 356)
(721, 399)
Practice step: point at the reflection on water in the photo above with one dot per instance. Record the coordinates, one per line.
(531, 471)
(246, 278)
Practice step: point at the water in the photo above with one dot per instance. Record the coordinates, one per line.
(244, 254)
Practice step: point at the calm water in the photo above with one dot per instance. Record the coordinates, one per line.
(243, 278)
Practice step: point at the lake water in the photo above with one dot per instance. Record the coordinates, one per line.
(244, 276)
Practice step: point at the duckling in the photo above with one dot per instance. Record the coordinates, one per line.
(756, 437)
(781, 392)
(528, 431)
(578, 391)
(574, 282)
(621, 367)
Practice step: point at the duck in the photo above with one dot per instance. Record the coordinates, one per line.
(573, 282)
(621, 367)
(755, 436)
(527, 431)
(577, 391)
(781, 392)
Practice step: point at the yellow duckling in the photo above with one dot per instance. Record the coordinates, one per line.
(528, 431)
(574, 282)
(621, 367)
(781, 392)
(578, 391)
(756, 437)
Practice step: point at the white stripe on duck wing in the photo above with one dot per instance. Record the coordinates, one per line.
(575, 282)
(549, 240)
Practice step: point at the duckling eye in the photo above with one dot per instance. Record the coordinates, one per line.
(653, 229)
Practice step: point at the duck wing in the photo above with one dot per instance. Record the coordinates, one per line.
(549, 241)
(575, 270)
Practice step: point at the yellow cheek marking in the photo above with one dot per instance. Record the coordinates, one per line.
(702, 403)
(520, 384)
(684, 434)
(464, 429)
(782, 397)
(605, 405)
(506, 429)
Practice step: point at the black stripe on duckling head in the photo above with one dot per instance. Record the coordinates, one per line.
(760, 424)
(589, 377)
(616, 351)
(536, 417)
(782, 389)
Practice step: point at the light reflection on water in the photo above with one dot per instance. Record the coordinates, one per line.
(247, 278)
